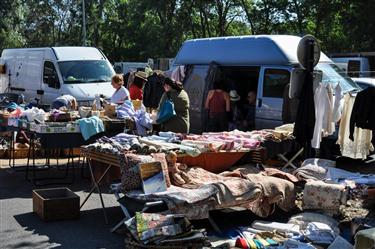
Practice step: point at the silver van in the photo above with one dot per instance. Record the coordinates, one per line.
(261, 63)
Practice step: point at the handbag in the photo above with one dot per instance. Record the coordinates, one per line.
(166, 111)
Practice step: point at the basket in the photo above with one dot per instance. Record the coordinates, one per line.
(110, 111)
(20, 153)
(76, 152)
(3, 153)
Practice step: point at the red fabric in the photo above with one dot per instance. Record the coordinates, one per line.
(217, 103)
(215, 162)
(241, 243)
(135, 92)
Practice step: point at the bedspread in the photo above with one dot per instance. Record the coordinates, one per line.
(275, 191)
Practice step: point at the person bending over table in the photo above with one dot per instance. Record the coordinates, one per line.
(67, 101)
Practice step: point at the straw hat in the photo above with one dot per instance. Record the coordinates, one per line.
(234, 95)
(142, 75)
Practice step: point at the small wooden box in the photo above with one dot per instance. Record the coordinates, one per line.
(56, 204)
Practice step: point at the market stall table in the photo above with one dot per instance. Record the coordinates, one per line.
(50, 141)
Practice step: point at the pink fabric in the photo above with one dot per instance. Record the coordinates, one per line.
(230, 142)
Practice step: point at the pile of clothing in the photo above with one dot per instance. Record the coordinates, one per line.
(141, 118)
(302, 231)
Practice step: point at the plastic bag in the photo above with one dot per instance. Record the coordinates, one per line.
(166, 111)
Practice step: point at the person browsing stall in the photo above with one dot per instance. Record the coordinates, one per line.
(218, 106)
(249, 122)
(67, 101)
(175, 92)
(121, 93)
(136, 87)
(236, 117)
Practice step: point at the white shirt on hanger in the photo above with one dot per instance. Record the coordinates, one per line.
(323, 101)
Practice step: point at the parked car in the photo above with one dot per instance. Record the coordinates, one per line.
(364, 82)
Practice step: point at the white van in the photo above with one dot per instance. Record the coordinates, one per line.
(354, 66)
(260, 63)
(46, 73)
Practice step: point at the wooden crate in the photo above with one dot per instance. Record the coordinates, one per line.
(56, 204)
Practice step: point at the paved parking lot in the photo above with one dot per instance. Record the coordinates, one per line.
(21, 228)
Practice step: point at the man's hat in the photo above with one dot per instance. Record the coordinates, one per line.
(234, 95)
(141, 74)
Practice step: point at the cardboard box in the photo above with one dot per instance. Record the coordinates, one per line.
(56, 204)
(45, 128)
(73, 128)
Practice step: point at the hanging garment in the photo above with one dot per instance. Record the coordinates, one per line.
(363, 114)
(361, 146)
(153, 90)
(323, 114)
(336, 115)
(305, 120)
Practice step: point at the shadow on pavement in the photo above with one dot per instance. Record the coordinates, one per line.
(89, 231)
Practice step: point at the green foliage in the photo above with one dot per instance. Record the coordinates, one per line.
(134, 30)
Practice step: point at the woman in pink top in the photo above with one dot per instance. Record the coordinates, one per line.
(218, 107)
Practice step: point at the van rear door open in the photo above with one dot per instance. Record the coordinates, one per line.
(196, 87)
(272, 83)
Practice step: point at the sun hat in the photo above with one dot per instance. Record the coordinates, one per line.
(142, 75)
(234, 95)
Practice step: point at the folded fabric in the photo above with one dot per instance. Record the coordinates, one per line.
(314, 169)
(90, 126)
(303, 219)
(272, 226)
(326, 196)
(319, 233)
(290, 243)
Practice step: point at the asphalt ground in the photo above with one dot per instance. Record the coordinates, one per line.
(21, 228)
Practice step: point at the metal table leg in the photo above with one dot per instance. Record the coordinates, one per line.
(290, 162)
(97, 187)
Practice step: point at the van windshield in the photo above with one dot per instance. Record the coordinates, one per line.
(85, 71)
(332, 74)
